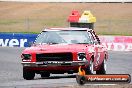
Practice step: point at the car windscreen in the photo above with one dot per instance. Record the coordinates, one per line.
(68, 37)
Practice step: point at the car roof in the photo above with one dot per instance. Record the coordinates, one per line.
(67, 29)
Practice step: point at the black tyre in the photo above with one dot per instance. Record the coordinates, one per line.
(102, 69)
(45, 74)
(91, 26)
(90, 68)
(81, 80)
(28, 75)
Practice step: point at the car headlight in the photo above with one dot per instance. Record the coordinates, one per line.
(26, 56)
(81, 56)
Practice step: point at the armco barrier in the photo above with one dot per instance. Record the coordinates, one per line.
(115, 43)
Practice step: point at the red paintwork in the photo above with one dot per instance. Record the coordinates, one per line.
(74, 48)
(98, 51)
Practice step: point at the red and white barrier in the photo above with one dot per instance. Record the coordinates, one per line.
(117, 43)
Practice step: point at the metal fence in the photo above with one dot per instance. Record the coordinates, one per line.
(120, 27)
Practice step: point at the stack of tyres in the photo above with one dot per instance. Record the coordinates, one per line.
(74, 17)
(86, 20)
(87, 17)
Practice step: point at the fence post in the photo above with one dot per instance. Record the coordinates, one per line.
(109, 26)
(27, 25)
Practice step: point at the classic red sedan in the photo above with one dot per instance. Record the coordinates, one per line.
(63, 50)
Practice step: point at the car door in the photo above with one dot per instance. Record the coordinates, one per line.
(99, 54)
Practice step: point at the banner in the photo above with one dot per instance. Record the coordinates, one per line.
(115, 43)
(16, 40)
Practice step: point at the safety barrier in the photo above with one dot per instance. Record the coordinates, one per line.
(115, 43)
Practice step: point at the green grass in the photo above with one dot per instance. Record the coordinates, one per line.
(112, 18)
(102, 27)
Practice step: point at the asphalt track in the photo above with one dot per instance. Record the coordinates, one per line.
(11, 71)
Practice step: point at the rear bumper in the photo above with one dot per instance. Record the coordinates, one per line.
(54, 63)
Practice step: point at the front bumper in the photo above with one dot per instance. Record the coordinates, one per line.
(54, 63)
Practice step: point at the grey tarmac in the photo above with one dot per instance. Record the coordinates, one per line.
(11, 72)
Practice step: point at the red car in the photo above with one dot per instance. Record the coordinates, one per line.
(63, 50)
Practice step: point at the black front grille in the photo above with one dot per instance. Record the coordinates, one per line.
(54, 57)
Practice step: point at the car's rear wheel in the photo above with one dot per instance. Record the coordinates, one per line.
(45, 74)
(102, 69)
(28, 75)
(90, 68)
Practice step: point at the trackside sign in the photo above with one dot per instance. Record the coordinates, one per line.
(16, 40)
(13, 42)
(115, 43)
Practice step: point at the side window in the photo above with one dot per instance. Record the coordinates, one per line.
(91, 37)
(95, 37)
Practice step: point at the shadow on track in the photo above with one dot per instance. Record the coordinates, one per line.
(57, 77)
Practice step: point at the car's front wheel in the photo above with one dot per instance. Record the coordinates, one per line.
(28, 75)
(102, 69)
(90, 68)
